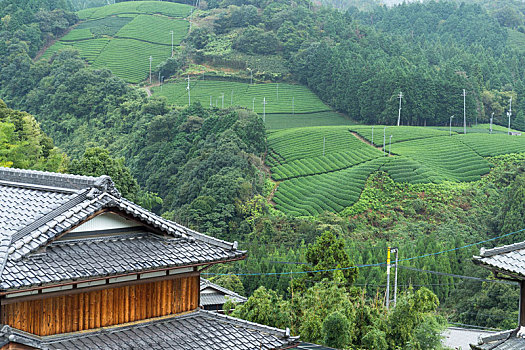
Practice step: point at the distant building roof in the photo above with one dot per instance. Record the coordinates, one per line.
(461, 338)
(507, 340)
(198, 330)
(508, 259)
(37, 208)
(213, 294)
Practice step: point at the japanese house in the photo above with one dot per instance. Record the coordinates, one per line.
(213, 296)
(81, 267)
(506, 262)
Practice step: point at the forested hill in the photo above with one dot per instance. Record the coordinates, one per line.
(24, 145)
(223, 172)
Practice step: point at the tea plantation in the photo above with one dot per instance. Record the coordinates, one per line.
(122, 37)
(280, 98)
(169, 9)
(324, 168)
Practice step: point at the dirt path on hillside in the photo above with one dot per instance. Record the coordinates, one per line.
(270, 197)
(362, 139)
(147, 88)
(51, 43)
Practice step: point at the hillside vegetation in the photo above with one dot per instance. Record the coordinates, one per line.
(324, 168)
(123, 36)
(23, 145)
(434, 192)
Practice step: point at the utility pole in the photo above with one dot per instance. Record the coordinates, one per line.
(464, 111)
(384, 141)
(150, 59)
(161, 81)
(189, 94)
(399, 114)
(372, 135)
(251, 75)
(491, 118)
(277, 91)
(390, 145)
(171, 32)
(395, 250)
(210, 101)
(324, 143)
(222, 100)
(264, 110)
(388, 278)
(253, 105)
(509, 113)
(451, 117)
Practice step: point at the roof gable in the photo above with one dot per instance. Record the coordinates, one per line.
(86, 199)
(508, 259)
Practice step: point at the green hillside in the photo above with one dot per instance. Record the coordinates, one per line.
(170, 9)
(324, 168)
(122, 37)
(280, 98)
(287, 105)
(516, 40)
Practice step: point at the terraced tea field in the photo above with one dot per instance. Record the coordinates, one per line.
(277, 121)
(122, 37)
(280, 98)
(155, 29)
(313, 195)
(493, 145)
(311, 183)
(169, 9)
(448, 157)
(374, 134)
(129, 59)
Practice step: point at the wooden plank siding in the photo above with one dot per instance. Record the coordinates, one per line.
(101, 308)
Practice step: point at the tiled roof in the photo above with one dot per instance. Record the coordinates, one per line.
(220, 296)
(507, 340)
(506, 259)
(458, 337)
(38, 207)
(199, 330)
(106, 256)
(310, 346)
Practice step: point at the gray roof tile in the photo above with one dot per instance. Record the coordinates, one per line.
(199, 330)
(506, 259)
(507, 340)
(220, 294)
(34, 214)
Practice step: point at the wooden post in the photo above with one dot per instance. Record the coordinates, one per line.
(522, 303)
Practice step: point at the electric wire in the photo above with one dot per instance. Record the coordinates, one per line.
(366, 265)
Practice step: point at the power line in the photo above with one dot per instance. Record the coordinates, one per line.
(457, 276)
(373, 265)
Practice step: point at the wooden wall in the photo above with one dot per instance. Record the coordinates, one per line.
(106, 307)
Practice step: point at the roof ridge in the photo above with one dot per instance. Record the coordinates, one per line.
(485, 253)
(221, 288)
(50, 179)
(241, 322)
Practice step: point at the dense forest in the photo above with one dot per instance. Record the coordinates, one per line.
(208, 164)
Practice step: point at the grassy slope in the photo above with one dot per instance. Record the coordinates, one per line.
(123, 36)
(419, 155)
